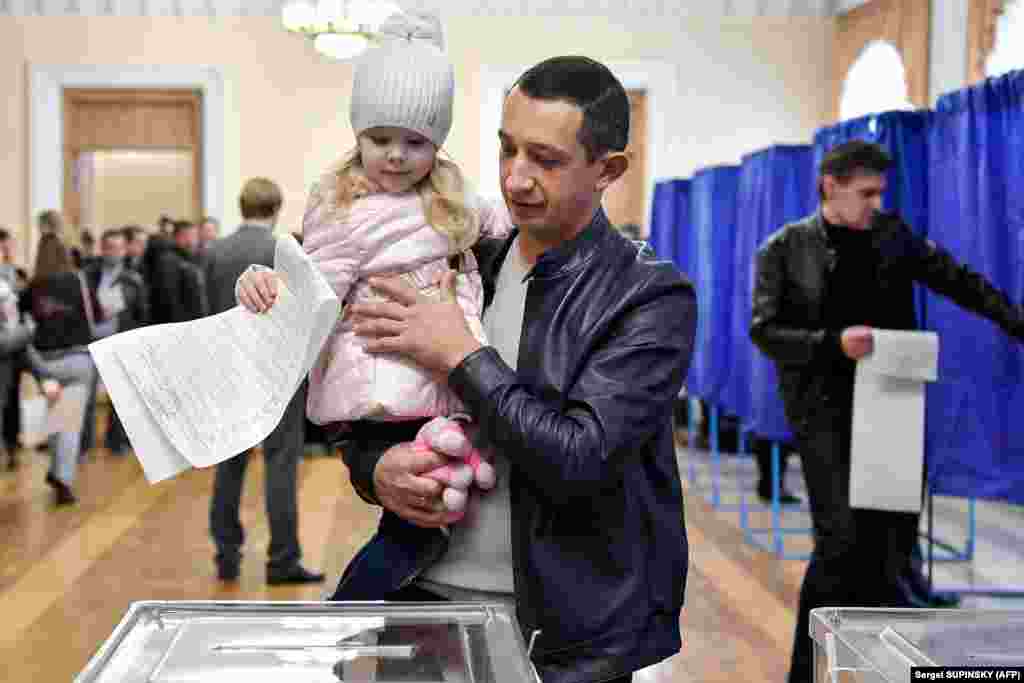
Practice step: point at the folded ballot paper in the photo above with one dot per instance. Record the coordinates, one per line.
(887, 448)
(197, 393)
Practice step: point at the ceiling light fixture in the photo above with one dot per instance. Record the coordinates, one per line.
(340, 29)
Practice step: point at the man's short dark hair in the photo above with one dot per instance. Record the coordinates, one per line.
(593, 88)
(5, 234)
(182, 226)
(131, 232)
(850, 158)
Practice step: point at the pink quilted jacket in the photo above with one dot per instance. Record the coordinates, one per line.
(383, 234)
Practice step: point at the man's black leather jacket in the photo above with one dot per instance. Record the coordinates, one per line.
(788, 318)
(586, 420)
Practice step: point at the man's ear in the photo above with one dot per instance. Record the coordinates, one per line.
(828, 186)
(613, 166)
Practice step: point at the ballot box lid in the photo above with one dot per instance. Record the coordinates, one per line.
(884, 644)
(313, 642)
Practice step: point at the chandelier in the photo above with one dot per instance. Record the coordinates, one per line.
(341, 29)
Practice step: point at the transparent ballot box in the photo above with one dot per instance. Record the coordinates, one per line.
(260, 642)
(881, 645)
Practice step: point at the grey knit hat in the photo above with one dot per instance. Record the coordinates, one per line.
(406, 81)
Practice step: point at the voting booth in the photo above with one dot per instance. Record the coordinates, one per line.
(313, 642)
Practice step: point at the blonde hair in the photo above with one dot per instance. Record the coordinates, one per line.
(442, 191)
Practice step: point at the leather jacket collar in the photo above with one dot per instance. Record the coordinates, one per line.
(573, 254)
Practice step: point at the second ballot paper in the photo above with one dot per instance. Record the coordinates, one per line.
(887, 441)
(197, 393)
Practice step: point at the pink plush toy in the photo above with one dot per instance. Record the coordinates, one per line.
(445, 435)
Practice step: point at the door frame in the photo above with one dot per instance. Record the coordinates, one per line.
(657, 78)
(190, 99)
(46, 124)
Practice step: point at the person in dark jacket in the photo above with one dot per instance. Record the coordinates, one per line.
(226, 259)
(16, 332)
(135, 247)
(119, 294)
(11, 413)
(121, 303)
(177, 284)
(821, 285)
(590, 339)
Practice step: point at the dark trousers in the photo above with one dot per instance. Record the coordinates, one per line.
(762, 449)
(88, 436)
(12, 403)
(859, 555)
(116, 439)
(282, 450)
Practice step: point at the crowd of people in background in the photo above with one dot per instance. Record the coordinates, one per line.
(78, 293)
(81, 290)
(133, 276)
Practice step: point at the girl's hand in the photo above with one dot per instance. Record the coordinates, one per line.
(257, 290)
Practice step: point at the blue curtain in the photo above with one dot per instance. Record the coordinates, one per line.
(670, 234)
(975, 434)
(774, 189)
(713, 217)
(662, 235)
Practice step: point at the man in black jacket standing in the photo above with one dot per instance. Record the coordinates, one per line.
(177, 283)
(225, 260)
(821, 285)
(590, 339)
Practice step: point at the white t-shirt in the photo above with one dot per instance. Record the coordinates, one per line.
(479, 561)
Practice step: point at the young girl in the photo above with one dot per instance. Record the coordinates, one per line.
(391, 207)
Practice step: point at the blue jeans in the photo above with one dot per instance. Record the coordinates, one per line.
(67, 367)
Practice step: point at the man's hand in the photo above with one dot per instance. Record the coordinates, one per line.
(401, 488)
(433, 334)
(857, 341)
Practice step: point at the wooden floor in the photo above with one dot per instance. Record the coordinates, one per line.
(67, 575)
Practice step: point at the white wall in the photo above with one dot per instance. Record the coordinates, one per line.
(743, 84)
(716, 90)
(740, 85)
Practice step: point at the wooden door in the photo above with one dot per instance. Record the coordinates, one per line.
(110, 119)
